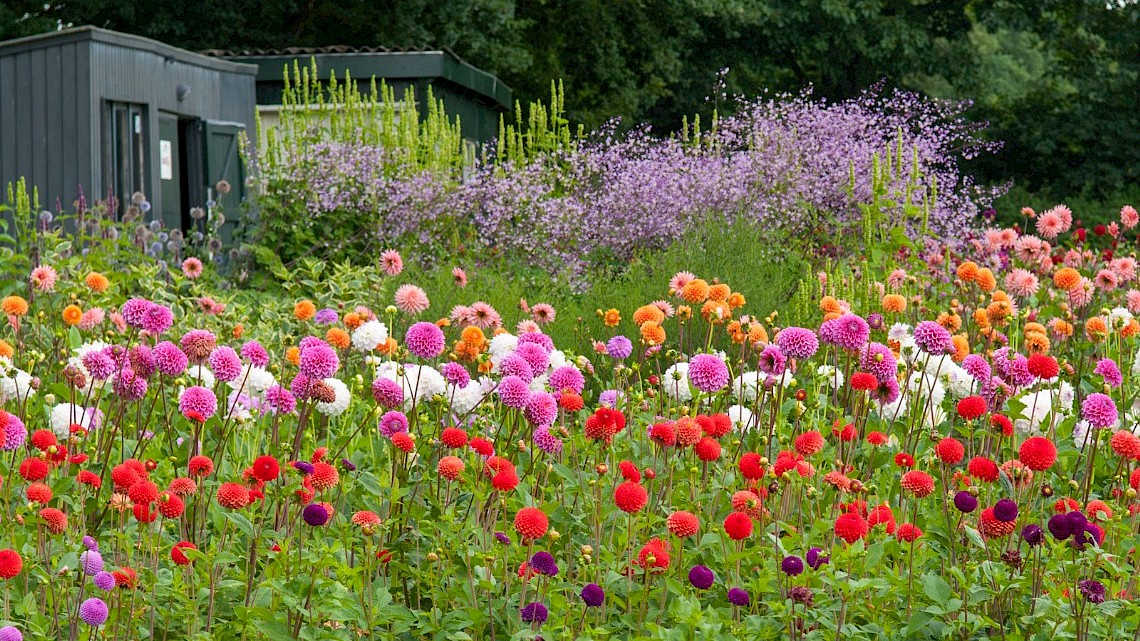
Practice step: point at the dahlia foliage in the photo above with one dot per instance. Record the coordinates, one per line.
(942, 446)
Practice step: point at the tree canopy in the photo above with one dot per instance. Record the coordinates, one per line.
(1057, 79)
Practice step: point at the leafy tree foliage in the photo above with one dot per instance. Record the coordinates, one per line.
(1058, 79)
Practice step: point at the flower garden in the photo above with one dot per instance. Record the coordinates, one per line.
(932, 437)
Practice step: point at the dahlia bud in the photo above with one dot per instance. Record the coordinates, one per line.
(49, 399)
(390, 310)
(587, 550)
(554, 534)
(1130, 493)
(602, 469)
(432, 556)
(151, 465)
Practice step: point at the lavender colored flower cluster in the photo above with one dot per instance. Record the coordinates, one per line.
(791, 162)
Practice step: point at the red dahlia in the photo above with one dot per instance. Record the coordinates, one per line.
(178, 556)
(683, 524)
(992, 528)
(707, 449)
(233, 496)
(809, 443)
(266, 468)
(750, 466)
(453, 437)
(950, 450)
(1043, 366)
(918, 483)
(983, 469)
(531, 523)
(1037, 453)
(863, 382)
(851, 527)
(738, 526)
(972, 407)
(630, 497)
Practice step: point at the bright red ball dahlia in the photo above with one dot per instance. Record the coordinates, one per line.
(863, 382)
(482, 446)
(750, 466)
(721, 424)
(908, 533)
(851, 527)
(404, 442)
(629, 471)
(992, 528)
(143, 491)
(34, 469)
(707, 449)
(663, 434)
(658, 550)
(170, 505)
(10, 564)
(809, 443)
(1043, 366)
(39, 493)
(747, 502)
(918, 483)
(1037, 453)
(972, 407)
(983, 469)
(630, 497)
(902, 459)
(882, 515)
(1002, 422)
(201, 465)
(683, 524)
(43, 439)
(183, 486)
(178, 556)
(505, 480)
(143, 513)
(1060, 506)
(453, 437)
(950, 451)
(266, 468)
(531, 523)
(738, 526)
(233, 496)
(1134, 479)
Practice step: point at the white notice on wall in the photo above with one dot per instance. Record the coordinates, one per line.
(166, 157)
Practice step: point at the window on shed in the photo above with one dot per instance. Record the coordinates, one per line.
(125, 157)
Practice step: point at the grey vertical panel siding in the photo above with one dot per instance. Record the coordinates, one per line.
(52, 92)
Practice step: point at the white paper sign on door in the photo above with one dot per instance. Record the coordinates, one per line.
(166, 158)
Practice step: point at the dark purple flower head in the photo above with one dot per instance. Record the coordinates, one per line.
(875, 320)
(736, 596)
(802, 595)
(347, 465)
(533, 613)
(701, 577)
(593, 595)
(1076, 520)
(304, 467)
(543, 563)
(1093, 590)
(1033, 534)
(965, 502)
(1005, 511)
(315, 514)
(501, 537)
(1059, 527)
(816, 558)
(792, 565)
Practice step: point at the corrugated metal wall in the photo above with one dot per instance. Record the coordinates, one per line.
(46, 132)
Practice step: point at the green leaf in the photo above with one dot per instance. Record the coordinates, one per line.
(241, 522)
(936, 588)
(74, 340)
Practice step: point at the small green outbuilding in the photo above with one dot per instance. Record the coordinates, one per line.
(475, 96)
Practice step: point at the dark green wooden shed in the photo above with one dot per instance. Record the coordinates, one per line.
(477, 97)
(112, 114)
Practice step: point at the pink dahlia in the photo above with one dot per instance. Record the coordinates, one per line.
(425, 340)
(411, 299)
(391, 262)
(708, 373)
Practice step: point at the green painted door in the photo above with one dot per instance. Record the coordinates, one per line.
(223, 163)
(170, 172)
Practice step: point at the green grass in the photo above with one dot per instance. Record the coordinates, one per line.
(739, 255)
